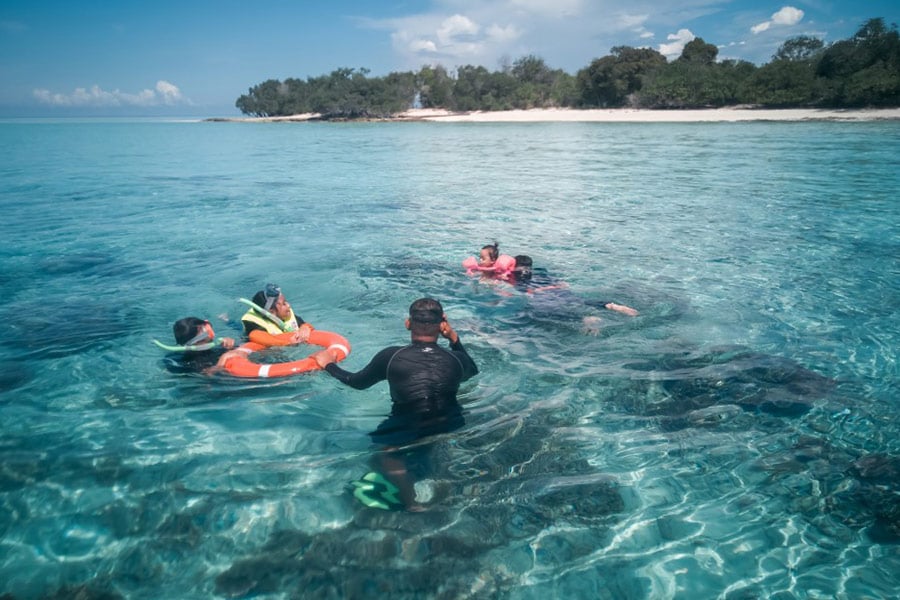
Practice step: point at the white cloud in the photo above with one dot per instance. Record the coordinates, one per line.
(456, 27)
(626, 21)
(165, 94)
(678, 41)
(566, 33)
(418, 46)
(635, 24)
(451, 39)
(168, 93)
(557, 8)
(503, 34)
(788, 15)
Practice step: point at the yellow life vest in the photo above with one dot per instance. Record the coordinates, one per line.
(290, 324)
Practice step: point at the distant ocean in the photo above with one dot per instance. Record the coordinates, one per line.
(738, 439)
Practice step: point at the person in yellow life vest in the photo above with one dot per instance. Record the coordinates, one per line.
(272, 322)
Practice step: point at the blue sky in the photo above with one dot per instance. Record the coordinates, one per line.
(194, 58)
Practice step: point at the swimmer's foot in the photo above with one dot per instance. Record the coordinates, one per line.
(591, 325)
(625, 310)
(374, 491)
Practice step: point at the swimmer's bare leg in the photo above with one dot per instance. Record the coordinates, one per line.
(392, 465)
(625, 310)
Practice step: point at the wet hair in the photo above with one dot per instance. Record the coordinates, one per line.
(186, 328)
(493, 250)
(522, 273)
(425, 316)
(259, 299)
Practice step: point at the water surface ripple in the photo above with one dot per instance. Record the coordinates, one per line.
(738, 439)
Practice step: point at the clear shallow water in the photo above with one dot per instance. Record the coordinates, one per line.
(738, 439)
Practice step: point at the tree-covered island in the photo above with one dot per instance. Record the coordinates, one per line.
(862, 71)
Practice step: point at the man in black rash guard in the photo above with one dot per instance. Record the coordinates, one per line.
(423, 378)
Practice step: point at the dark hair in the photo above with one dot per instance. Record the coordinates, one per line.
(425, 316)
(186, 328)
(259, 299)
(426, 310)
(522, 272)
(493, 250)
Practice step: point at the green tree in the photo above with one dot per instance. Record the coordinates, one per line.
(340, 95)
(532, 69)
(500, 93)
(790, 78)
(610, 80)
(783, 83)
(263, 100)
(597, 83)
(863, 70)
(435, 87)
(734, 77)
(398, 94)
(564, 91)
(696, 80)
(699, 52)
(800, 48)
(296, 99)
(471, 87)
(533, 82)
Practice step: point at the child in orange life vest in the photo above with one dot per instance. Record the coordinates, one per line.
(272, 322)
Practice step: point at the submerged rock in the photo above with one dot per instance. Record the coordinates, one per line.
(692, 383)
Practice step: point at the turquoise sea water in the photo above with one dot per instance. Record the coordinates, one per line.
(739, 439)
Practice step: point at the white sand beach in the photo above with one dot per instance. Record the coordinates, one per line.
(629, 115)
(618, 115)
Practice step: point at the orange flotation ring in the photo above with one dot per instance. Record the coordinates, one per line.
(240, 365)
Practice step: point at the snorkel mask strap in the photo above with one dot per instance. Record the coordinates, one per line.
(190, 348)
(264, 312)
(271, 294)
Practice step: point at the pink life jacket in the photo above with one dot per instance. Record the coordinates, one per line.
(502, 267)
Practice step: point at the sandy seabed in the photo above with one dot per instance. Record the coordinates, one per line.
(621, 115)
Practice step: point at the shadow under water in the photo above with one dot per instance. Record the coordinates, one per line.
(63, 328)
(675, 387)
(497, 489)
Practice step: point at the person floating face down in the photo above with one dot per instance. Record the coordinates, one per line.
(424, 379)
(200, 354)
(552, 295)
(272, 322)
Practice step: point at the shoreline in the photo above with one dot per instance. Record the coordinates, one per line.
(608, 115)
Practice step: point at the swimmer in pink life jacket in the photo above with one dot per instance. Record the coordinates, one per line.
(491, 264)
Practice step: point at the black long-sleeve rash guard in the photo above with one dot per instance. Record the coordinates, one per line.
(423, 377)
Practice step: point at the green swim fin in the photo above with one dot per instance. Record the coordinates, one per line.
(375, 491)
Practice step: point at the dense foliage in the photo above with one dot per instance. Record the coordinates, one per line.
(861, 71)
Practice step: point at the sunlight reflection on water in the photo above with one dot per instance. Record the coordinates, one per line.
(738, 438)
